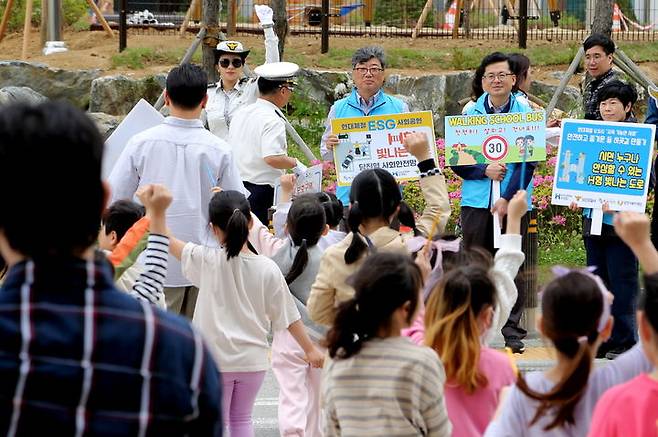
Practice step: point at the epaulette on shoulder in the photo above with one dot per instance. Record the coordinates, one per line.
(212, 85)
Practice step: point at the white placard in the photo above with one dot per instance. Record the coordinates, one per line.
(308, 182)
(143, 116)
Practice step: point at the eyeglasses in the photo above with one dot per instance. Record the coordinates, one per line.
(372, 70)
(225, 62)
(595, 57)
(500, 76)
(289, 87)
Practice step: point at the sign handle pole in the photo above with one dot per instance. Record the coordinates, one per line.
(495, 195)
(597, 221)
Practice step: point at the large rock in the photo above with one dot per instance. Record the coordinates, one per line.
(117, 95)
(421, 93)
(324, 86)
(568, 101)
(23, 94)
(458, 87)
(54, 83)
(106, 123)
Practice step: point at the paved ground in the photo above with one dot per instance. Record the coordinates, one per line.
(536, 357)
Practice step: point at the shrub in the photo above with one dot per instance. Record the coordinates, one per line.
(72, 10)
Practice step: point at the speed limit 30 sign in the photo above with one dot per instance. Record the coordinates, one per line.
(495, 148)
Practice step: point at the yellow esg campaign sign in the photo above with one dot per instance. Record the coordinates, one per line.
(378, 142)
(491, 138)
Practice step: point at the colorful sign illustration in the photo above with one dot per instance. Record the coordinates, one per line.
(602, 162)
(378, 142)
(495, 138)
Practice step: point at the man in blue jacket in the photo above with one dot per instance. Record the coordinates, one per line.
(477, 205)
(366, 98)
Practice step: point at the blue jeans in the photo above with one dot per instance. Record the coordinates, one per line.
(617, 266)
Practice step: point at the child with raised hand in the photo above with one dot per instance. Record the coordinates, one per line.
(575, 317)
(241, 295)
(448, 254)
(375, 200)
(377, 382)
(143, 280)
(461, 310)
(459, 313)
(299, 260)
(629, 409)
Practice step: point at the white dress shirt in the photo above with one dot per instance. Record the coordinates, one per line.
(222, 105)
(188, 160)
(257, 131)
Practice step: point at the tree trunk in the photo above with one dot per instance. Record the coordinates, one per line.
(210, 20)
(280, 23)
(603, 17)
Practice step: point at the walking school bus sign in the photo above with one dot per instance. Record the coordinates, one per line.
(495, 138)
(378, 142)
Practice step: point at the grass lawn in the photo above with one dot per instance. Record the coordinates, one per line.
(454, 58)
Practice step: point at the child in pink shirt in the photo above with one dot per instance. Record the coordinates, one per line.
(460, 311)
(632, 408)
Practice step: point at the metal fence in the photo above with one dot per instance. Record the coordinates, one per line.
(478, 19)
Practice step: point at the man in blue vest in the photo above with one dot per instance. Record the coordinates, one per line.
(366, 98)
(477, 205)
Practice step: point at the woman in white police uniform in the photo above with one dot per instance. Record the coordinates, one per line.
(234, 90)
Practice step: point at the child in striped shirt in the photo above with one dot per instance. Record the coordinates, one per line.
(378, 383)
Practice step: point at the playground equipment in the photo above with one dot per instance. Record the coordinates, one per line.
(53, 24)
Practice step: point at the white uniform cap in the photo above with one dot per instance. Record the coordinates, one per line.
(233, 47)
(277, 71)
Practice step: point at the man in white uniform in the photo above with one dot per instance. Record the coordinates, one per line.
(234, 90)
(258, 136)
(182, 155)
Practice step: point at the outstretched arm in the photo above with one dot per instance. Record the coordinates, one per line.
(265, 15)
(634, 229)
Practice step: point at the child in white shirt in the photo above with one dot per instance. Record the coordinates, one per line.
(240, 295)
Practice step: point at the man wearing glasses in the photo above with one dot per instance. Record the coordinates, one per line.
(366, 98)
(598, 62)
(258, 135)
(477, 204)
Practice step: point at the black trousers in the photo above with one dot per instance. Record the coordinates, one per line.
(477, 227)
(654, 212)
(261, 199)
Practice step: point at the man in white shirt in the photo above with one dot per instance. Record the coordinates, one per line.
(189, 160)
(258, 136)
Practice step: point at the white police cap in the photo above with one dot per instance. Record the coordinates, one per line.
(232, 47)
(277, 71)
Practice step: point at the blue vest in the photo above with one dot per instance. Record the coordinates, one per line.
(476, 193)
(349, 107)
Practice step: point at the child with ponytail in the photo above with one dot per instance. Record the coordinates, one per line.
(447, 254)
(459, 312)
(375, 200)
(267, 244)
(630, 409)
(240, 295)
(299, 260)
(576, 319)
(377, 382)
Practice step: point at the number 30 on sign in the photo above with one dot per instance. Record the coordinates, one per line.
(495, 148)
